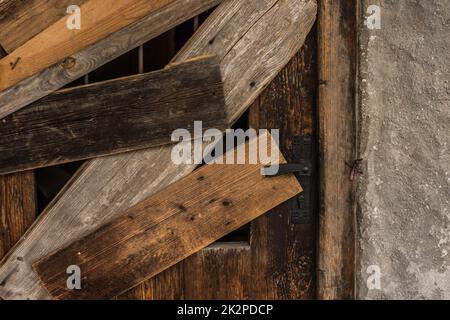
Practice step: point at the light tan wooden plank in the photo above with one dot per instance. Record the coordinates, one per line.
(100, 18)
(22, 20)
(167, 227)
(104, 188)
(71, 67)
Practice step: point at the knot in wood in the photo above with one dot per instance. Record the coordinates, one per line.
(68, 63)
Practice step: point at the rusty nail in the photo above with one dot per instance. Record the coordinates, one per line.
(14, 64)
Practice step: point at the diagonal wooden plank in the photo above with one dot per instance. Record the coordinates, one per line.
(115, 116)
(22, 20)
(105, 187)
(71, 67)
(167, 227)
(99, 18)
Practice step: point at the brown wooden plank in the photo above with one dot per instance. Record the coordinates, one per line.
(167, 285)
(17, 208)
(100, 18)
(106, 187)
(22, 20)
(337, 104)
(114, 116)
(69, 67)
(166, 228)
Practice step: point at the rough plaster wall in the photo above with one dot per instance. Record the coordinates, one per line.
(404, 212)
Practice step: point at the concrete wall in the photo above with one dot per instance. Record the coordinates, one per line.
(404, 212)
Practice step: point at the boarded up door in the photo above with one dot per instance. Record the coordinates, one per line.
(273, 257)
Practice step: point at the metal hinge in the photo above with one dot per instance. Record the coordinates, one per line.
(302, 167)
(303, 155)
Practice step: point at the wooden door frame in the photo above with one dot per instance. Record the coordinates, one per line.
(337, 116)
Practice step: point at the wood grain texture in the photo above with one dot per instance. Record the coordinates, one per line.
(166, 228)
(103, 188)
(21, 20)
(115, 116)
(17, 208)
(99, 19)
(238, 45)
(337, 104)
(282, 253)
(76, 65)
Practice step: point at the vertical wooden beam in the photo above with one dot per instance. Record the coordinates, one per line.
(17, 208)
(337, 105)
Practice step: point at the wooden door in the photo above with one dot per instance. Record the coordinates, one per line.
(273, 257)
(277, 255)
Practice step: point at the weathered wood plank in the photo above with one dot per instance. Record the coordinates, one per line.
(105, 187)
(337, 94)
(167, 227)
(115, 116)
(22, 20)
(17, 208)
(100, 18)
(76, 65)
